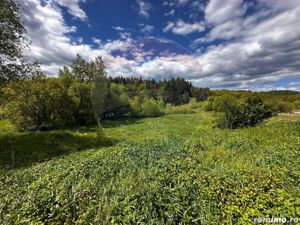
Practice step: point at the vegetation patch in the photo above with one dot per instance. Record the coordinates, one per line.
(172, 175)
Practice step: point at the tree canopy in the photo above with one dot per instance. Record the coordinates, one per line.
(13, 41)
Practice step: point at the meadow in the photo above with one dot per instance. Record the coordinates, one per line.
(173, 169)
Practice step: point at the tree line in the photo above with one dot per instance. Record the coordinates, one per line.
(82, 94)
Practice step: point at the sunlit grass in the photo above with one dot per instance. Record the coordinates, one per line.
(165, 170)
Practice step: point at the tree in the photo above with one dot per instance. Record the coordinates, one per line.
(80, 87)
(88, 84)
(201, 94)
(175, 91)
(12, 42)
(39, 103)
(99, 87)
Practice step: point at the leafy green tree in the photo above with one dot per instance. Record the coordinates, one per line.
(117, 103)
(175, 91)
(13, 41)
(99, 88)
(201, 94)
(39, 103)
(81, 92)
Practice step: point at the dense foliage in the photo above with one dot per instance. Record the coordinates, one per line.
(249, 113)
(82, 94)
(243, 109)
(41, 103)
(280, 101)
(13, 63)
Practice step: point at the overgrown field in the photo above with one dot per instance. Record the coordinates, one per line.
(175, 169)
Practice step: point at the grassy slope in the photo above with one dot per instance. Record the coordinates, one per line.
(167, 170)
(23, 149)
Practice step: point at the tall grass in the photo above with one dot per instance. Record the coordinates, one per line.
(182, 172)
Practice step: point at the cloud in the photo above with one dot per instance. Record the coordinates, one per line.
(97, 41)
(218, 11)
(51, 44)
(182, 28)
(263, 50)
(170, 13)
(224, 18)
(143, 8)
(118, 28)
(73, 8)
(163, 67)
(198, 6)
(262, 47)
(266, 51)
(177, 3)
(182, 2)
(145, 28)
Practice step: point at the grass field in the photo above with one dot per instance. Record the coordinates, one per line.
(175, 169)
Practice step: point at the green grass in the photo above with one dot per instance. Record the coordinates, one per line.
(21, 149)
(175, 169)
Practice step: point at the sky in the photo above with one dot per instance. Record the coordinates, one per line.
(220, 44)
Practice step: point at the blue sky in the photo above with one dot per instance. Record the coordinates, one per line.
(232, 44)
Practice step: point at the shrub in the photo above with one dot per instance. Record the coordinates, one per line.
(296, 105)
(208, 104)
(183, 109)
(39, 104)
(135, 106)
(151, 107)
(232, 115)
(252, 112)
(180, 109)
(220, 103)
(146, 106)
(279, 105)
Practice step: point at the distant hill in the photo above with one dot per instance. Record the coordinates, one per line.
(284, 92)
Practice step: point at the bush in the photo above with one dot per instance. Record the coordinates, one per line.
(183, 109)
(232, 115)
(296, 105)
(218, 103)
(254, 111)
(151, 107)
(250, 113)
(39, 104)
(180, 109)
(135, 106)
(146, 106)
(221, 103)
(279, 105)
(208, 104)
